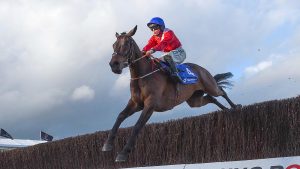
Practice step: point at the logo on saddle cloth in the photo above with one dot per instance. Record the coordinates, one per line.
(185, 72)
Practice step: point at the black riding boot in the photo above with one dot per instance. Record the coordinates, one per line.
(174, 71)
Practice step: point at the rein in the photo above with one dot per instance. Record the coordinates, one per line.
(141, 77)
(129, 62)
(148, 74)
(137, 60)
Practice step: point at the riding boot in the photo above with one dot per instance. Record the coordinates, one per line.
(174, 71)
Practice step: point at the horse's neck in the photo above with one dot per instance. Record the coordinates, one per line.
(140, 68)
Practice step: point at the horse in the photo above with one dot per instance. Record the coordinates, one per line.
(154, 90)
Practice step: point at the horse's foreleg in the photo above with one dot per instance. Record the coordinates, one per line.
(146, 114)
(130, 109)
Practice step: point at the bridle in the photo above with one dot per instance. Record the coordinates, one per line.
(129, 62)
(129, 54)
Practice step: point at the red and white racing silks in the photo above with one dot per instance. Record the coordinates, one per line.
(164, 42)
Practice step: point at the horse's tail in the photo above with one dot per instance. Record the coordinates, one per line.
(222, 80)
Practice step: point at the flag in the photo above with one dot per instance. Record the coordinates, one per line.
(3, 133)
(46, 137)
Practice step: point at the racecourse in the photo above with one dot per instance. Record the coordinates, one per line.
(269, 129)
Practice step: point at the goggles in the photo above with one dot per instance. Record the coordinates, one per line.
(154, 27)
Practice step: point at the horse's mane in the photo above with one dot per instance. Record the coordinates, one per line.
(137, 50)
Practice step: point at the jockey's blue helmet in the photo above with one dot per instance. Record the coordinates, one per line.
(157, 21)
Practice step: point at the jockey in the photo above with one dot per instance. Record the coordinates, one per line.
(164, 39)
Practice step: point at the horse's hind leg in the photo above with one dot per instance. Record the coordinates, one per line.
(130, 109)
(225, 96)
(215, 101)
(197, 100)
(214, 90)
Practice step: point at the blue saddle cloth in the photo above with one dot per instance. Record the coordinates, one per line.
(185, 72)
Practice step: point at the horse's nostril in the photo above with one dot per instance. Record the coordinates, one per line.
(116, 64)
(113, 64)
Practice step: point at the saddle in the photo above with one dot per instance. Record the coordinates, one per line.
(185, 72)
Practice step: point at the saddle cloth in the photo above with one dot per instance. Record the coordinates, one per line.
(185, 72)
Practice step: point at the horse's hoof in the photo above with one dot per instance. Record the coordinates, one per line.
(238, 106)
(121, 157)
(107, 147)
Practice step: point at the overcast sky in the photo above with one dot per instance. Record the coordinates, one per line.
(54, 54)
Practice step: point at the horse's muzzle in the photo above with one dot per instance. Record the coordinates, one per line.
(116, 67)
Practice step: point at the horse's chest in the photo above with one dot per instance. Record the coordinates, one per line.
(136, 95)
(139, 93)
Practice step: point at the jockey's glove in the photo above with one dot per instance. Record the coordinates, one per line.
(150, 52)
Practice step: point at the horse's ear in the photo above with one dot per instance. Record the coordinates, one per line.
(117, 35)
(132, 32)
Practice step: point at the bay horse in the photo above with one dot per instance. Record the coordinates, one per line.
(153, 90)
